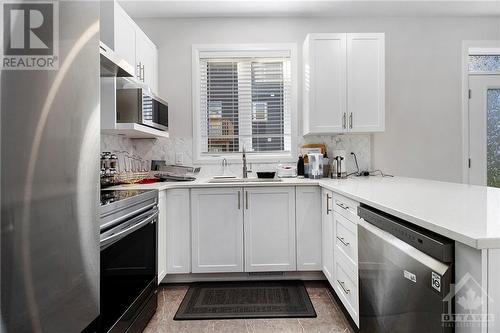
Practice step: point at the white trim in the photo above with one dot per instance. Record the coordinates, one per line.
(282, 49)
(469, 47)
(484, 50)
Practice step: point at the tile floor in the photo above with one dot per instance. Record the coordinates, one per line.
(330, 317)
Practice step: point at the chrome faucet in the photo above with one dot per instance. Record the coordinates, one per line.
(245, 168)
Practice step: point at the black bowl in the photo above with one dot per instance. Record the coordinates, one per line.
(269, 174)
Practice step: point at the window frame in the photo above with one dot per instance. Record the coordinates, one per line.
(256, 50)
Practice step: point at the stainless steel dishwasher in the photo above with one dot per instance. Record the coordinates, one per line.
(405, 273)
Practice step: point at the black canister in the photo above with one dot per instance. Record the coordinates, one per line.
(300, 166)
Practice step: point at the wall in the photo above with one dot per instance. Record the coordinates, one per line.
(423, 86)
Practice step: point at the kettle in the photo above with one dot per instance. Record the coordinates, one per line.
(315, 165)
(339, 164)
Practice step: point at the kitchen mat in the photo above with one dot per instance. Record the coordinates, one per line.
(245, 300)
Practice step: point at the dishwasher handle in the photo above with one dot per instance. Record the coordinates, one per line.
(434, 245)
(404, 248)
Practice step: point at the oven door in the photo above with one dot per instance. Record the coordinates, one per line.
(128, 271)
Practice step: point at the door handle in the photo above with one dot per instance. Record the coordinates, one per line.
(350, 120)
(143, 74)
(239, 199)
(328, 209)
(246, 199)
(344, 121)
(341, 239)
(341, 205)
(139, 70)
(342, 285)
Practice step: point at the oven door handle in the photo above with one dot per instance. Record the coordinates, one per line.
(119, 235)
(127, 216)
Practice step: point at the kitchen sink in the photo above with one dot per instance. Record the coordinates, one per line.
(243, 180)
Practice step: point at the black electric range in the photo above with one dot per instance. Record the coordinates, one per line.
(129, 277)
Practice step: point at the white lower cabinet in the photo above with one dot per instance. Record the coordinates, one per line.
(162, 235)
(269, 224)
(345, 240)
(346, 285)
(178, 233)
(308, 228)
(327, 244)
(216, 230)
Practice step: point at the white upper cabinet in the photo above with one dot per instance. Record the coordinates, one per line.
(146, 60)
(269, 229)
(344, 83)
(366, 82)
(123, 35)
(324, 83)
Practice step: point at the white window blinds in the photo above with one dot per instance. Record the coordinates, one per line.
(245, 102)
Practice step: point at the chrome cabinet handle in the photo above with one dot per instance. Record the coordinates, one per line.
(143, 74)
(341, 205)
(139, 70)
(342, 285)
(341, 239)
(344, 121)
(239, 199)
(246, 199)
(350, 120)
(328, 209)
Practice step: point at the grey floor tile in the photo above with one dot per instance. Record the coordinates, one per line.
(330, 318)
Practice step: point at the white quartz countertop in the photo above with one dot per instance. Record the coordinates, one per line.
(465, 213)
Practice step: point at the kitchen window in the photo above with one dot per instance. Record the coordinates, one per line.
(244, 97)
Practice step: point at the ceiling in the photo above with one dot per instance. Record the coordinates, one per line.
(307, 8)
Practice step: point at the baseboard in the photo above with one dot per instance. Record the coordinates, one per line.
(207, 277)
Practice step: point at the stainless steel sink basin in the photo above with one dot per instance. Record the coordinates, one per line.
(243, 180)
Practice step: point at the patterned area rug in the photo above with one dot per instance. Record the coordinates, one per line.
(244, 300)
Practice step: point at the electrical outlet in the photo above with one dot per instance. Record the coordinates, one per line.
(179, 158)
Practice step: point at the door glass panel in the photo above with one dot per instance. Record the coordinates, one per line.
(484, 63)
(493, 137)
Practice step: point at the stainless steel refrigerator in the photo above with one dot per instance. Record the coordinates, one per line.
(50, 128)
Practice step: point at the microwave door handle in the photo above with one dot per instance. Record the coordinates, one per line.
(119, 235)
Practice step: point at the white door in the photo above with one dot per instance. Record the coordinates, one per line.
(484, 130)
(270, 229)
(146, 59)
(162, 235)
(178, 233)
(327, 235)
(124, 35)
(308, 228)
(216, 230)
(366, 82)
(325, 83)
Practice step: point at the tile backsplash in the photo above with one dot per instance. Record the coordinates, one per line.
(166, 149)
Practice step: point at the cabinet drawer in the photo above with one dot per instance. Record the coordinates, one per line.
(346, 207)
(346, 238)
(346, 285)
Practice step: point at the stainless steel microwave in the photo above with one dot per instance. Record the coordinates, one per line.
(138, 105)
